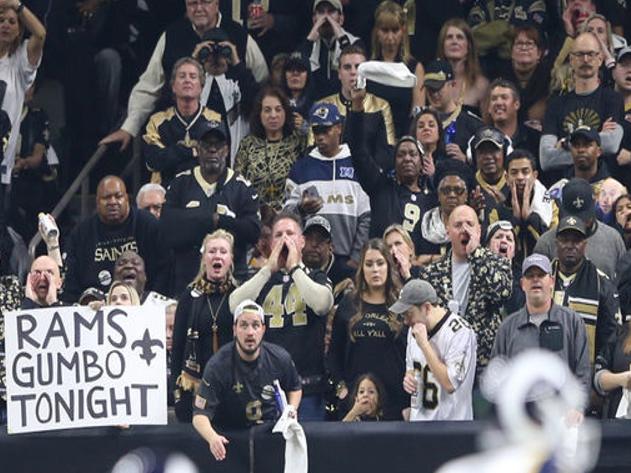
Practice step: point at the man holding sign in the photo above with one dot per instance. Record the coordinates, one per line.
(238, 386)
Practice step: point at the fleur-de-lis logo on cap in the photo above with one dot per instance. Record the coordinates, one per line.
(578, 203)
(571, 221)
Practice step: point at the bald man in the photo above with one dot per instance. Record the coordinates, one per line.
(471, 280)
(42, 284)
(96, 243)
(589, 104)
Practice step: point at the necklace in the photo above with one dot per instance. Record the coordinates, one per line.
(187, 126)
(214, 314)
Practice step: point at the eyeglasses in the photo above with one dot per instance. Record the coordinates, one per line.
(589, 55)
(524, 44)
(446, 190)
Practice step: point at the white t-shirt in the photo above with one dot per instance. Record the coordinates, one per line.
(16, 71)
(455, 344)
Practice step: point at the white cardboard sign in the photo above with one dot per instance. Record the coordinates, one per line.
(71, 367)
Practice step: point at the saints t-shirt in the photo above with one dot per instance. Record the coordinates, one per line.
(236, 394)
(567, 112)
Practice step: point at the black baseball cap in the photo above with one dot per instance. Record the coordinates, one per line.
(490, 134)
(577, 199)
(571, 223)
(295, 62)
(437, 73)
(318, 221)
(216, 128)
(586, 132)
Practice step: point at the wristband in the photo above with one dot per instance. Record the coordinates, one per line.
(20, 8)
(294, 269)
(53, 247)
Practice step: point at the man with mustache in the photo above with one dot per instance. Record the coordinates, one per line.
(471, 280)
(238, 385)
(203, 199)
(95, 244)
(589, 104)
(296, 300)
(580, 286)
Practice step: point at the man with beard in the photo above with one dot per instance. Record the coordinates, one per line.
(471, 280)
(544, 324)
(586, 153)
(324, 45)
(582, 287)
(96, 243)
(240, 380)
(130, 268)
(318, 250)
(205, 198)
(296, 300)
(589, 104)
(42, 284)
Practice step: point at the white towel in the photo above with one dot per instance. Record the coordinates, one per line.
(623, 407)
(296, 458)
(394, 74)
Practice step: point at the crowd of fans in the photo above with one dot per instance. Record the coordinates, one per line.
(387, 193)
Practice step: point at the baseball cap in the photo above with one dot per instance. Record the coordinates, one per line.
(437, 73)
(324, 114)
(538, 261)
(411, 139)
(415, 292)
(318, 221)
(218, 128)
(577, 199)
(488, 133)
(623, 52)
(295, 62)
(337, 4)
(249, 305)
(91, 294)
(585, 132)
(572, 223)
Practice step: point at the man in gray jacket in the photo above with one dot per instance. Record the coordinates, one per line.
(543, 324)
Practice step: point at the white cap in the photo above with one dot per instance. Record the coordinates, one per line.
(249, 305)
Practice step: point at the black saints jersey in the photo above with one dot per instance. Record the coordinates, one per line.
(292, 324)
(236, 394)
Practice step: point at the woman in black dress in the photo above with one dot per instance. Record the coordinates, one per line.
(203, 321)
(366, 336)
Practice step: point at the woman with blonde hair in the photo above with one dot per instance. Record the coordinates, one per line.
(391, 44)
(456, 45)
(122, 293)
(203, 321)
(366, 336)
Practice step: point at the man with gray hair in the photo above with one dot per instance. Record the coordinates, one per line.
(169, 143)
(151, 197)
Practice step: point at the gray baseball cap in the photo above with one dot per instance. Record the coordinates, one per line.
(537, 260)
(415, 292)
